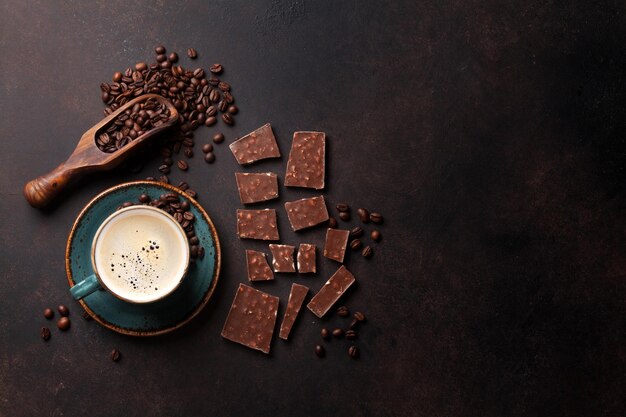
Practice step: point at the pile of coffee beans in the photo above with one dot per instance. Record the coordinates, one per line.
(350, 333)
(357, 233)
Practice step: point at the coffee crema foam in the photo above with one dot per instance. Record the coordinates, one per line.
(140, 255)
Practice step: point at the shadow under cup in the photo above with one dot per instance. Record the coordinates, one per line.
(139, 254)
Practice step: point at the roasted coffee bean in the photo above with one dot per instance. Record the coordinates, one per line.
(117, 77)
(222, 106)
(185, 204)
(376, 218)
(376, 236)
(332, 223)
(351, 335)
(320, 351)
(353, 352)
(356, 232)
(188, 152)
(198, 73)
(115, 355)
(345, 216)
(232, 109)
(45, 333)
(141, 66)
(164, 169)
(168, 161)
(359, 316)
(224, 86)
(207, 147)
(192, 53)
(353, 324)
(228, 119)
(161, 58)
(356, 244)
(364, 215)
(325, 333)
(338, 333)
(218, 138)
(342, 207)
(124, 205)
(211, 111)
(367, 252)
(63, 323)
(216, 68)
(191, 193)
(343, 311)
(173, 57)
(63, 310)
(48, 313)
(210, 121)
(164, 179)
(193, 252)
(194, 240)
(209, 157)
(189, 216)
(182, 165)
(160, 49)
(183, 186)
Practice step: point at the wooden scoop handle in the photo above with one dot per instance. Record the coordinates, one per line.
(42, 190)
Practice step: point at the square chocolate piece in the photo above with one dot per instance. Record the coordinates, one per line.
(306, 212)
(251, 319)
(256, 187)
(306, 164)
(306, 258)
(334, 288)
(336, 242)
(283, 258)
(257, 145)
(296, 298)
(257, 224)
(258, 268)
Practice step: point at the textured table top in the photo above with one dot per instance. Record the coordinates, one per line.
(490, 136)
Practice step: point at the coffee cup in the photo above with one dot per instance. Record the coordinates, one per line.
(139, 254)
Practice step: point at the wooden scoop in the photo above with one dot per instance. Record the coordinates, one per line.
(87, 157)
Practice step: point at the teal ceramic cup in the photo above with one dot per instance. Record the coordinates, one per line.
(139, 254)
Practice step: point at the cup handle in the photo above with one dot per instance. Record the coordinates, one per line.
(85, 287)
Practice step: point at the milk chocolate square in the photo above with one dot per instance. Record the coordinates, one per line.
(257, 224)
(336, 242)
(306, 164)
(258, 268)
(306, 258)
(296, 298)
(257, 145)
(328, 295)
(256, 187)
(251, 319)
(282, 258)
(306, 212)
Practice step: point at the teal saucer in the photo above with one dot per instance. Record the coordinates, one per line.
(158, 317)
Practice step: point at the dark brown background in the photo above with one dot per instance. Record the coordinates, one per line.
(490, 136)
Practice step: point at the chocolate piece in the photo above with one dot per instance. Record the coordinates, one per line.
(306, 164)
(331, 292)
(306, 258)
(251, 319)
(336, 242)
(306, 212)
(257, 145)
(258, 268)
(257, 224)
(283, 258)
(256, 187)
(296, 298)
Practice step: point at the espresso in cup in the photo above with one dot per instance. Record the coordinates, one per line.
(140, 254)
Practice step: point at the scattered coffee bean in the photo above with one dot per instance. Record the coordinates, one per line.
(341, 207)
(376, 236)
(338, 333)
(159, 49)
(343, 311)
(182, 165)
(117, 77)
(141, 66)
(63, 323)
(320, 351)
(359, 316)
(191, 193)
(115, 355)
(48, 313)
(233, 109)
(325, 333)
(209, 157)
(189, 216)
(63, 310)
(218, 138)
(332, 223)
(356, 232)
(353, 352)
(144, 198)
(351, 335)
(188, 152)
(164, 179)
(45, 333)
(367, 252)
(216, 68)
(173, 57)
(210, 121)
(364, 215)
(345, 216)
(192, 53)
(354, 324)
(164, 169)
(376, 218)
(355, 244)
(207, 147)
(228, 119)
(194, 240)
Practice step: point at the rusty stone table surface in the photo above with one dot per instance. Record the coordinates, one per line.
(489, 135)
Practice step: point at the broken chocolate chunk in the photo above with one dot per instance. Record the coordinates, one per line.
(306, 258)
(257, 224)
(258, 268)
(306, 164)
(306, 212)
(282, 258)
(257, 145)
(296, 298)
(256, 187)
(328, 295)
(251, 318)
(336, 242)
